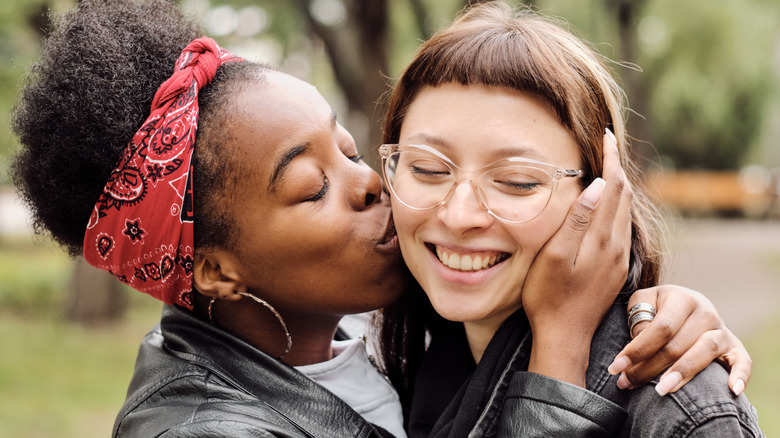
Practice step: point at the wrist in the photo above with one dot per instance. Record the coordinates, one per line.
(561, 358)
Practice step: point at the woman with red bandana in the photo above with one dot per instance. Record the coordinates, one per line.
(238, 201)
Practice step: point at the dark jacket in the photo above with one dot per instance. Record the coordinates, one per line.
(517, 403)
(194, 380)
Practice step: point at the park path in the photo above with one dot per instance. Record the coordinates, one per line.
(736, 263)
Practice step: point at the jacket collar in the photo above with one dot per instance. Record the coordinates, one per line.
(610, 338)
(270, 380)
(512, 348)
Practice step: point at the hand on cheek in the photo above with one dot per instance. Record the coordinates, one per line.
(574, 280)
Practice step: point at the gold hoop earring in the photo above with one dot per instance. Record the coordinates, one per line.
(269, 307)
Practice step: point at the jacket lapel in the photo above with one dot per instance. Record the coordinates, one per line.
(305, 404)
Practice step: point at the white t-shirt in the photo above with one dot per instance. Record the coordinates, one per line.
(352, 377)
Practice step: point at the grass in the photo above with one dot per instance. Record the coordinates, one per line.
(62, 379)
(765, 383)
(66, 380)
(59, 378)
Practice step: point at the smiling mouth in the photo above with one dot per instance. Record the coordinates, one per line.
(468, 262)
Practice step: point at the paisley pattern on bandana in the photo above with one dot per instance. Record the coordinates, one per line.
(141, 229)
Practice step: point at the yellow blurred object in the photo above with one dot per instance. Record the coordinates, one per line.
(711, 191)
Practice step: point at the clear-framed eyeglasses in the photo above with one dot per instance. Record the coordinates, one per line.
(513, 190)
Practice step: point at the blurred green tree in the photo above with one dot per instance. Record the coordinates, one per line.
(699, 94)
(22, 24)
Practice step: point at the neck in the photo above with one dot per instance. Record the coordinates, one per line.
(253, 323)
(480, 333)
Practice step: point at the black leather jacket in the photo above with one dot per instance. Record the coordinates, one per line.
(194, 380)
(704, 407)
(499, 399)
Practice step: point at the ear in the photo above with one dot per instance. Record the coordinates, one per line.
(216, 275)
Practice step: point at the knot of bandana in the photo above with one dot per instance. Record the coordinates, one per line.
(141, 229)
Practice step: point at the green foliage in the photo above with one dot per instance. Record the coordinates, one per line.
(21, 25)
(64, 380)
(707, 65)
(709, 80)
(707, 69)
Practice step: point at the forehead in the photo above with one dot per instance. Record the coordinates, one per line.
(282, 103)
(488, 123)
(277, 114)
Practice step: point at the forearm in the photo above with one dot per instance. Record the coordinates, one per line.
(560, 355)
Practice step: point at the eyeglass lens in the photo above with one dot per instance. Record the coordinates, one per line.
(512, 192)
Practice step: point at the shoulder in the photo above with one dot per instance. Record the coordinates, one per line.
(703, 407)
(173, 397)
(192, 402)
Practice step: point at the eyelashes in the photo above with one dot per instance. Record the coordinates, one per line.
(326, 183)
(323, 190)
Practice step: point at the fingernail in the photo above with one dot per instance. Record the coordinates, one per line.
(623, 382)
(739, 386)
(619, 365)
(611, 135)
(668, 382)
(592, 194)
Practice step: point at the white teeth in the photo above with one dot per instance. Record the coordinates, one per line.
(467, 262)
(454, 261)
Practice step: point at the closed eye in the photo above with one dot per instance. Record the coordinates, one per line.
(323, 191)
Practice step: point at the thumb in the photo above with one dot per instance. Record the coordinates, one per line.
(566, 242)
(580, 215)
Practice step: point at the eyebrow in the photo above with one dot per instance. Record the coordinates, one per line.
(283, 163)
(507, 151)
(428, 139)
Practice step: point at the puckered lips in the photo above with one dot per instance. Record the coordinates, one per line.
(467, 261)
(390, 238)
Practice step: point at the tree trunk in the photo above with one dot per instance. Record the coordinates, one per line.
(358, 51)
(94, 296)
(634, 83)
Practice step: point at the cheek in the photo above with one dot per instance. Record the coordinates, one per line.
(407, 222)
(536, 233)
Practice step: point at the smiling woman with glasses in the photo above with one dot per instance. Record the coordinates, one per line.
(499, 146)
(513, 189)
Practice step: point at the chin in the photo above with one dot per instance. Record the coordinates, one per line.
(451, 310)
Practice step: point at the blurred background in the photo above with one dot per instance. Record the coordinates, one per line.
(703, 81)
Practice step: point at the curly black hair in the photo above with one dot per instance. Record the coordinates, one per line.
(89, 93)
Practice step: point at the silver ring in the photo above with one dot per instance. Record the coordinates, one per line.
(636, 318)
(641, 307)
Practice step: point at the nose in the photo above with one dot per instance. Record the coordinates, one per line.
(463, 211)
(365, 187)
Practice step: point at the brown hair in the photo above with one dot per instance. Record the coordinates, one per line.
(495, 45)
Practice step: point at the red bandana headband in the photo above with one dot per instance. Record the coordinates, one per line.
(141, 229)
